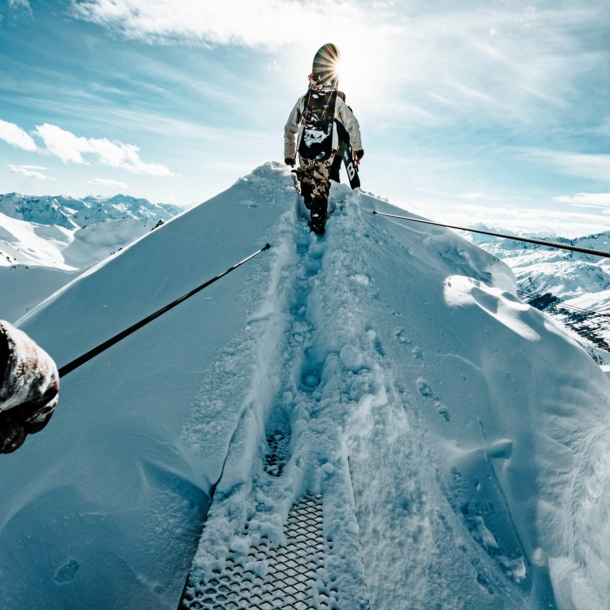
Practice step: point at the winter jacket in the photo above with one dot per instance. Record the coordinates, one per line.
(29, 386)
(294, 127)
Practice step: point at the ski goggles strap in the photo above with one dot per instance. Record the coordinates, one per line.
(317, 83)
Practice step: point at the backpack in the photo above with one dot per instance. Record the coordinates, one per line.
(318, 121)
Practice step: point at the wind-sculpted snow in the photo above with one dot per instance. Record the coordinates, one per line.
(441, 389)
(106, 510)
(455, 439)
(579, 281)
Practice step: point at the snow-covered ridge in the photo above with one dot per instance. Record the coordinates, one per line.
(456, 439)
(71, 213)
(46, 241)
(52, 246)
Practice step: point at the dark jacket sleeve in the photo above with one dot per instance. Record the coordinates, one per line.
(350, 122)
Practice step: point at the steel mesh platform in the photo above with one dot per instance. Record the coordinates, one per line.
(290, 576)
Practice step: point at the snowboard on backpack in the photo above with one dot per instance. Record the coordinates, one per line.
(346, 153)
(351, 167)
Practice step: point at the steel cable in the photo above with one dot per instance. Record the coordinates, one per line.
(68, 368)
(529, 240)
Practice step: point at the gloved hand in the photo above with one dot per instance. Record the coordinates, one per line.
(358, 154)
(289, 162)
(29, 386)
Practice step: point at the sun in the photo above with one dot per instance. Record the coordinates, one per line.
(364, 70)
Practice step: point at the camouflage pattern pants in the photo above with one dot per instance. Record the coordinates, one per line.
(314, 179)
(314, 183)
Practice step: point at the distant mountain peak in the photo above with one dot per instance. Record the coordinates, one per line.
(71, 212)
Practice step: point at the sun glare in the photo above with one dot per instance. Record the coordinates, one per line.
(365, 68)
(364, 72)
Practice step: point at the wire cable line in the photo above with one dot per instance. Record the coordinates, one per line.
(68, 368)
(529, 240)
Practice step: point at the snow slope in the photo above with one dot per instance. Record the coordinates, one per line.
(458, 440)
(46, 241)
(37, 259)
(567, 275)
(579, 280)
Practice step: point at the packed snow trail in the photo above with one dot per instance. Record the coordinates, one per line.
(322, 390)
(377, 407)
(286, 451)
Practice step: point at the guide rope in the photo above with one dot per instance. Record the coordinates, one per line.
(68, 368)
(529, 240)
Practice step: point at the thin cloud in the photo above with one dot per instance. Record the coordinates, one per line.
(15, 136)
(106, 182)
(544, 223)
(71, 148)
(604, 128)
(471, 196)
(510, 62)
(593, 167)
(587, 200)
(20, 4)
(468, 91)
(29, 171)
(265, 23)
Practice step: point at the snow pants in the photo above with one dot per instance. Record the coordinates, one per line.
(314, 182)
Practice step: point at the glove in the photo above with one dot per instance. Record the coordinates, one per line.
(289, 162)
(29, 385)
(358, 154)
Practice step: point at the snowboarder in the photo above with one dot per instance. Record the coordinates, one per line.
(29, 387)
(313, 118)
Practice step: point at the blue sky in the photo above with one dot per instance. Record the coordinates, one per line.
(489, 111)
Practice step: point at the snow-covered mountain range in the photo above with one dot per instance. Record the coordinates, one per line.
(368, 420)
(74, 213)
(575, 286)
(45, 242)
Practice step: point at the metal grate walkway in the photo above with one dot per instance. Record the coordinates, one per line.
(291, 576)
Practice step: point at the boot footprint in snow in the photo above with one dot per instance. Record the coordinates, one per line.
(319, 207)
(317, 224)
